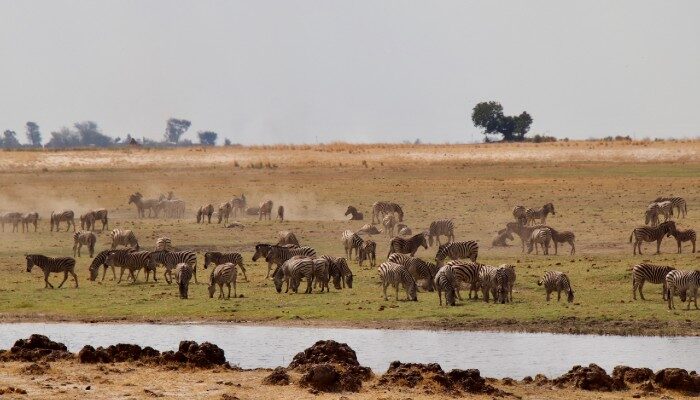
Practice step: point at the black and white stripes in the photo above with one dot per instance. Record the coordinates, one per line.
(52, 265)
(685, 284)
(651, 273)
(457, 250)
(443, 227)
(397, 275)
(651, 234)
(555, 281)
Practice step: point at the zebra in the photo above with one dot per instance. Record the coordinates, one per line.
(261, 250)
(501, 237)
(169, 259)
(163, 243)
(649, 273)
(457, 250)
(86, 238)
(354, 214)
(218, 258)
(389, 222)
(563, 237)
(174, 208)
(124, 237)
(444, 281)
(445, 227)
(510, 274)
(650, 234)
(532, 214)
(55, 265)
(397, 275)
(421, 270)
(687, 235)
(407, 246)
(399, 258)
(653, 210)
(132, 261)
(100, 260)
(30, 218)
(143, 205)
(381, 208)
(519, 213)
(466, 273)
(265, 210)
(684, 283)
(223, 274)
(183, 275)
(66, 215)
(523, 231)
(292, 271)
(321, 273)
(340, 272)
(224, 212)
(369, 229)
(487, 281)
(555, 281)
(651, 215)
(287, 237)
(205, 211)
(280, 214)
(279, 254)
(541, 236)
(13, 218)
(368, 251)
(101, 214)
(351, 241)
(677, 202)
(87, 219)
(238, 204)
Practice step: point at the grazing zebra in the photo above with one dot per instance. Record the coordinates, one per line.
(654, 209)
(650, 234)
(519, 213)
(279, 254)
(368, 251)
(287, 237)
(467, 273)
(501, 237)
(677, 202)
(224, 212)
(445, 282)
(143, 205)
(238, 204)
(183, 275)
(163, 243)
(354, 214)
(100, 260)
(687, 235)
(223, 274)
(280, 214)
(88, 219)
(421, 270)
(541, 236)
(321, 273)
(30, 218)
(218, 258)
(457, 250)
(487, 281)
(408, 246)
(532, 214)
(205, 211)
(563, 237)
(169, 259)
(389, 222)
(340, 272)
(66, 215)
(557, 281)
(124, 237)
(293, 271)
(382, 208)
(649, 273)
(102, 215)
(684, 283)
(445, 227)
(261, 250)
(265, 210)
(396, 275)
(369, 229)
(131, 261)
(13, 218)
(404, 230)
(351, 241)
(52, 265)
(86, 238)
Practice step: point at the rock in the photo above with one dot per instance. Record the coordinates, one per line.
(36, 348)
(679, 379)
(527, 379)
(325, 351)
(278, 377)
(588, 378)
(623, 373)
(204, 355)
(322, 377)
(87, 355)
(431, 378)
(541, 380)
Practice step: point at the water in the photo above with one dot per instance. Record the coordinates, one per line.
(494, 354)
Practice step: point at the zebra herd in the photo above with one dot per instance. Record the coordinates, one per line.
(683, 283)
(655, 231)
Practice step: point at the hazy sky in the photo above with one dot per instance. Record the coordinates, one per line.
(300, 71)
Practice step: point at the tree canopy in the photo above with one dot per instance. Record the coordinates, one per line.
(9, 140)
(207, 138)
(489, 116)
(33, 134)
(175, 128)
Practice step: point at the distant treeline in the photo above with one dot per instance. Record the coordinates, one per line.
(88, 134)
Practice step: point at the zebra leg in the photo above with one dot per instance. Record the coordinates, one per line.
(548, 294)
(65, 278)
(194, 270)
(75, 246)
(234, 290)
(556, 248)
(243, 270)
(384, 285)
(46, 281)
(121, 274)
(558, 294)
(658, 246)
(75, 278)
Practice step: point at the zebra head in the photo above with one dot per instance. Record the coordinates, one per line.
(261, 250)
(211, 289)
(669, 227)
(442, 253)
(351, 211)
(135, 198)
(549, 207)
(30, 261)
(412, 290)
(207, 259)
(278, 278)
(570, 297)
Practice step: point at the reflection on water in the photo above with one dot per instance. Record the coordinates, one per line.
(495, 354)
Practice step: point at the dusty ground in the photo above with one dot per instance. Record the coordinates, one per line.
(599, 190)
(69, 380)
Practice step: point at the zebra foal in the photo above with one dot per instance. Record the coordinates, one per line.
(223, 274)
(84, 238)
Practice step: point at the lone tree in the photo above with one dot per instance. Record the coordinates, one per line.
(207, 138)
(175, 128)
(9, 140)
(489, 116)
(33, 134)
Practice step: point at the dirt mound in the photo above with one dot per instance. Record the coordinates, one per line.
(330, 378)
(330, 366)
(35, 369)
(591, 377)
(431, 378)
(679, 379)
(325, 351)
(624, 374)
(278, 377)
(36, 348)
(203, 355)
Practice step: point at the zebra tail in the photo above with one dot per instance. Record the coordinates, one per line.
(631, 235)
